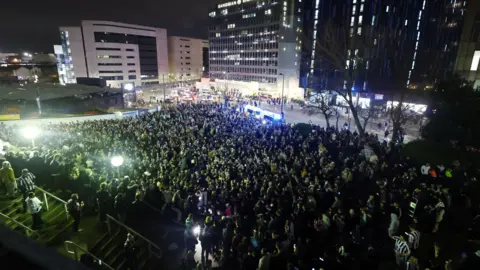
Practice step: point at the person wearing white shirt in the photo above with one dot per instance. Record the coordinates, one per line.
(425, 168)
(34, 208)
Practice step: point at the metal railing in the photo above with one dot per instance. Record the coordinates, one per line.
(28, 231)
(47, 194)
(77, 258)
(152, 248)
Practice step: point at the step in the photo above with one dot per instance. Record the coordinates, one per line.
(103, 243)
(50, 217)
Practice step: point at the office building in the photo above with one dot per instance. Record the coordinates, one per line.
(468, 58)
(117, 52)
(391, 45)
(256, 45)
(186, 57)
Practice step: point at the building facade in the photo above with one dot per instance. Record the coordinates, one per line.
(117, 52)
(391, 44)
(185, 57)
(257, 41)
(468, 59)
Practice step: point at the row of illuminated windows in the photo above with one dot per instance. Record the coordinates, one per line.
(114, 49)
(118, 78)
(250, 70)
(114, 57)
(254, 30)
(247, 55)
(115, 71)
(246, 78)
(241, 62)
(245, 46)
(246, 20)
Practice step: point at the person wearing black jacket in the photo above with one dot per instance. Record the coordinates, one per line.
(103, 200)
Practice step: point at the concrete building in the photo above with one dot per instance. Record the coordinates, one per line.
(257, 42)
(468, 59)
(117, 52)
(185, 58)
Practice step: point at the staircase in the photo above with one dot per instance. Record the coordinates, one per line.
(55, 216)
(110, 248)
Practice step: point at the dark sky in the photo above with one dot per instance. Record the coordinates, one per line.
(32, 25)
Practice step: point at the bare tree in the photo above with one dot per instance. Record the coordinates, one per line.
(319, 106)
(343, 53)
(400, 113)
(368, 113)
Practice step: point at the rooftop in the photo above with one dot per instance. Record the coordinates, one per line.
(47, 91)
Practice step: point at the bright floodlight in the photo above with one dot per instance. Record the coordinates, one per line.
(264, 122)
(196, 230)
(128, 86)
(117, 161)
(31, 132)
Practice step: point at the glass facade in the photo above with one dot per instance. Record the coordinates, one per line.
(244, 41)
(392, 45)
(64, 61)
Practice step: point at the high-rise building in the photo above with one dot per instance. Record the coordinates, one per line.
(257, 42)
(117, 52)
(392, 44)
(468, 59)
(185, 57)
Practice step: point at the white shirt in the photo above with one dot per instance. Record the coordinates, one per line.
(424, 169)
(34, 205)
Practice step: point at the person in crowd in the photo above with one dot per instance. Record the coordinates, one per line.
(129, 253)
(34, 207)
(7, 177)
(121, 205)
(75, 207)
(103, 202)
(26, 185)
(402, 251)
(254, 178)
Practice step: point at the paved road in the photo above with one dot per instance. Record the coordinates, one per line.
(298, 116)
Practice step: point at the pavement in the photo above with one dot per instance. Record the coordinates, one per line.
(298, 116)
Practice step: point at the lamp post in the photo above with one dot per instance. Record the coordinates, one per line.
(31, 133)
(283, 89)
(117, 161)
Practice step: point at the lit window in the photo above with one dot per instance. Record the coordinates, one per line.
(360, 19)
(388, 8)
(224, 12)
(284, 49)
(231, 26)
(212, 14)
(475, 61)
(359, 31)
(268, 12)
(418, 35)
(413, 64)
(361, 8)
(406, 22)
(354, 1)
(217, 34)
(373, 20)
(352, 21)
(354, 10)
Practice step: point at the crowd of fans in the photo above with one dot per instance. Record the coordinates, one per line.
(264, 196)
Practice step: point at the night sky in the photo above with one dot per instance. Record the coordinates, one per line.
(33, 25)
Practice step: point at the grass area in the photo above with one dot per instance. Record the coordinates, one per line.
(422, 151)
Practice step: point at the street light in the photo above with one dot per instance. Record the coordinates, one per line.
(31, 133)
(117, 161)
(283, 89)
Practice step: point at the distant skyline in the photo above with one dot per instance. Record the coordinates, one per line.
(33, 25)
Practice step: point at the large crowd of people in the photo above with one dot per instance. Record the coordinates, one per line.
(259, 195)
